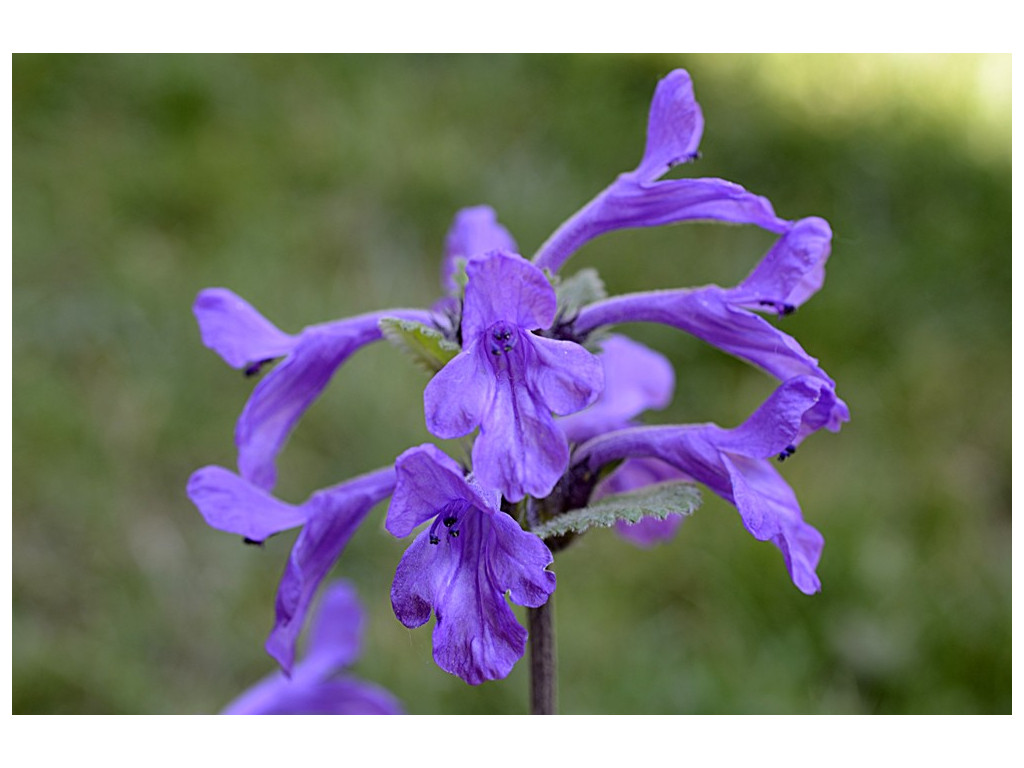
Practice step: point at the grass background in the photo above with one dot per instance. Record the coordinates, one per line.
(321, 186)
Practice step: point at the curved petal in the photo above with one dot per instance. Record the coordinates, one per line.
(464, 580)
(475, 231)
(504, 287)
(519, 561)
(636, 379)
(234, 330)
(333, 516)
(280, 399)
(456, 398)
(778, 421)
(709, 314)
(565, 376)
(674, 126)
(770, 512)
(730, 463)
(792, 271)
(428, 480)
(630, 202)
(229, 503)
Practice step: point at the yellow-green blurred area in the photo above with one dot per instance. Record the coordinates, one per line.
(320, 187)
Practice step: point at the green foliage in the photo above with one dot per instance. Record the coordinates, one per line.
(427, 346)
(655, 501)
(575, 292)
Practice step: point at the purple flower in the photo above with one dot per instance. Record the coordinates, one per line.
(315, 687)
(462, 565)
(638, 199)
(328, 519)
(247, 340)
(786, 277)
(508, 381)
(734, 464)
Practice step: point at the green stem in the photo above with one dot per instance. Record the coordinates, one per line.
(543, 668)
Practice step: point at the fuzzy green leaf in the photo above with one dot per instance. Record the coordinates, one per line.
(428, 348)
(658, 501)
(584, 287)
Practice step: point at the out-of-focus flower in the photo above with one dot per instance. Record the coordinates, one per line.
(316, 686)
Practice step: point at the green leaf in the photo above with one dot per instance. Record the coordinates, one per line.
(658, 501)
(585, 287)
(428, 347)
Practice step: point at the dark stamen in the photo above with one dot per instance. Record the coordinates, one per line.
(788, 451)
(255, 368)
(434, 539)
(779, 306)
(448, 522)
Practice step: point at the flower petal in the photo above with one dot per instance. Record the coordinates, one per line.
(674, 126)
(333, 516)
(728, 462)
(277, 695)
(229, 503)
(427, 479)
(770, 512)
(456, 398)
(630, 202)
(504, 287)
(636, 379)
(792, 271)
(565, 376)
(335, 633)
(474, 232)
(709, 314)
(234, 330)
(520, 450)
(279, 400)
(778, 421)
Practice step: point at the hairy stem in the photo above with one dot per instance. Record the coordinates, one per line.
(543, 668)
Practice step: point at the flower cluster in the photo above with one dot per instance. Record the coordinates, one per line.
(525, 365)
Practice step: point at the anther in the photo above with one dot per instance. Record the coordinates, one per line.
(788, 451)
(779, 306)
(448, 522)
(434, 539)
(256, 367)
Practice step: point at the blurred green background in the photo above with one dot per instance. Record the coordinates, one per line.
(322, 186)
